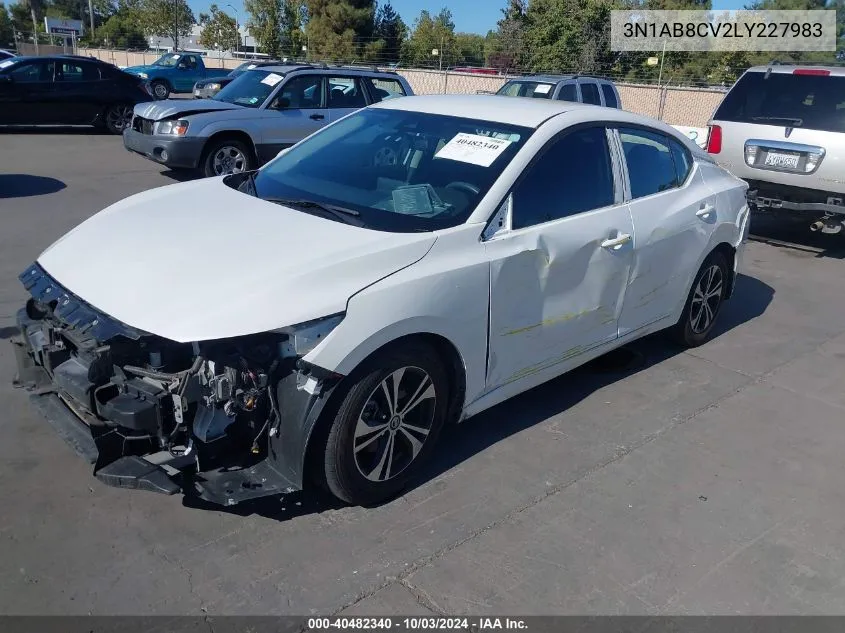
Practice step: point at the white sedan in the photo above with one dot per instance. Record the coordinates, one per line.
(412, 264)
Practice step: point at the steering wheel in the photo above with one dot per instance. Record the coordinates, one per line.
(390, 153)
(464, 186)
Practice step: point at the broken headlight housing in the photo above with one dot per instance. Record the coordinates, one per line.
(172, 128)
(304, 337)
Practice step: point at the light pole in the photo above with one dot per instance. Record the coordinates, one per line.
(237, 29)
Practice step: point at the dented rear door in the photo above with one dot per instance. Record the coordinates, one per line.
(674, 214)
(558, 275)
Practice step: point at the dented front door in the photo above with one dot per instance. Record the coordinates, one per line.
(556, 290)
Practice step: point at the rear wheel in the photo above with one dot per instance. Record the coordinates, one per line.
(160, 89)
(386, 425)
(704, 302)
(118, 117)
(227, 156)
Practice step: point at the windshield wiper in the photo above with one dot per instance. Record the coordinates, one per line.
(796, 122)
(341, 213)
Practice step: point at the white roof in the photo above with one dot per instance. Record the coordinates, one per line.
(500, 109)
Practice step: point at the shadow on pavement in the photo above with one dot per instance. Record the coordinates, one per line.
(182, 175)
(796, 231)
(23, 185)
(55, 129)
(477, 434)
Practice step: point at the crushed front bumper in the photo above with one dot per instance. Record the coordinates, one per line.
(69, 360)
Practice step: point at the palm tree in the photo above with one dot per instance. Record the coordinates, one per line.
(35, 9)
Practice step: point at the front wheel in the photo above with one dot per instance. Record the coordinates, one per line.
(160, 89)
(386, 425)
(704, 302)
(227, 156)
(118, 118)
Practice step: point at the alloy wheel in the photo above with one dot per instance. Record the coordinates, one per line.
(706, 299)
(119, 117)
(394, 424)
(228, 160)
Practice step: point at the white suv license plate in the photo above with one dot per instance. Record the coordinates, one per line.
(196, 93)
(789, 161)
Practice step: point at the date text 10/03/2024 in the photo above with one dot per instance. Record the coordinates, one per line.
(417, 624)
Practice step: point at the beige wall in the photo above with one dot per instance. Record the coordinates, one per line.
(676, 106)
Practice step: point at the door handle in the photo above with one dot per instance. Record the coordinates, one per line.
(317, 117)
(616, 242)
(705, 211)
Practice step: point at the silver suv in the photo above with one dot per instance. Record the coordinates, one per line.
(782, 129)
(260, 113)
(578, 88)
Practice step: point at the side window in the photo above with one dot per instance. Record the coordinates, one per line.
(76, 71)
(304, 91)
(610, 99)
(574, 174)
(345, 92)
(651, 168)
(188, 61)
(590, 92)
(384, 89)
(568, 92)
(682, 160)
(33, 72)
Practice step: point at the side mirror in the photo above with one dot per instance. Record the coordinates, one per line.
(281, 103)
(6, 79)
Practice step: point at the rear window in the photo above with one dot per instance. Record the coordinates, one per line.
(382, 89)
(609, 96)
(536, 89)
(815, 102)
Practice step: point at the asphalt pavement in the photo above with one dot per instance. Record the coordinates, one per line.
(706, 481)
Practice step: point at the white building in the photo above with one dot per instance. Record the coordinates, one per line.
(248, 46)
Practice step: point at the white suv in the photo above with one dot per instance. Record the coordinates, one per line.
(782, 129)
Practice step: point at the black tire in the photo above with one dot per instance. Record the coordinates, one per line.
(693, 328)
(344, 468)
(117, 117)
(245, 161)
(160, 89)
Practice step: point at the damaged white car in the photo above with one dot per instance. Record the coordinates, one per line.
(320, 320)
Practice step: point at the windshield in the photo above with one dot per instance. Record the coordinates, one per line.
(396, 170)
(168, 61)
(250, 89)
(536, 89)
(816, 102)
(242, 69)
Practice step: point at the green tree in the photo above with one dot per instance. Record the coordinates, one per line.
(119, 32)
(505, 49)
(569, 35)
(265, 24)
(469, 49)
(340, 29)
(391, 30)
(219, 30)
(161, 18)
(7, 31)
(277, 25)
(430, 34)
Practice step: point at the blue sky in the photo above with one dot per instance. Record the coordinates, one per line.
(471, 16)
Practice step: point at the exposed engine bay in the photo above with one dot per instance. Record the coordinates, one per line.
(166, 416)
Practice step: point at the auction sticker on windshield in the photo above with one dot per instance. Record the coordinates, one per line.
(8, 62)
(474, 149)
(542, 89)
(272, 79)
